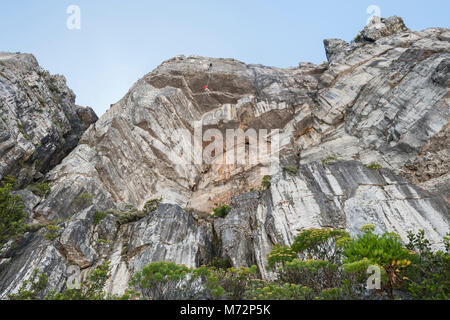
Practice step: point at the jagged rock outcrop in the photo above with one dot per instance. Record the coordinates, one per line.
(40, 123)
(380, 101)
(380, 28)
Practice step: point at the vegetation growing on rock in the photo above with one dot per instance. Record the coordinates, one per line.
(12, 214)
(99, 216)
(300, 275)
(220, 211)
(40, 189)
(373, 166)
(290, 169)
(266, 182)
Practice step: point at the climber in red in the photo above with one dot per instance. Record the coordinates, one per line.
(205, 87)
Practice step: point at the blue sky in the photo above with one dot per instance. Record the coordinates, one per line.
(120, 41)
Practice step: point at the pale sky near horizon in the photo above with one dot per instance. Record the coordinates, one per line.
(120, 41)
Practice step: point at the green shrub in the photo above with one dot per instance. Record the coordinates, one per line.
(279, 256)
(151, 205)
(220, 263)
(386, 251)
(230, 284)
(320, 244)
(315, 274)
(266, 182)
(40, 189)
(31, 289)
(161, 280)
(329, 161)
(373, 166)
(167, 280)
(43, 73)
(332, 294)
(128, 216)
(92, 288)
(290, 169)
(84, 199)
(12, 214)
(53, 232)
(8, 179)
(221, 211)
(283, 291)
(99, 216)
(428, 277)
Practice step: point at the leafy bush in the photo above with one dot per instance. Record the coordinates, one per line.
(163, 280)
(220, 263)
(386, 251)
(167, 280)
(12, 214)
(229, 284)
(31, 289)
(428, 277)
(53, 232)
(40, 189)
(279, 256)
(130, 215)
(84, 199)
(283, 291)
(329, 161)
(221, 211)
(92, 288)
(8, 179)
(151, 205)
(99, 216)
(266, 182)
(320, 244)
(315, 274)
(373, 166)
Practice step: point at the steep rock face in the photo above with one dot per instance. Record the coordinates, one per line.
(40, 123)
(382, 99)
(378, 101)
(134, 153)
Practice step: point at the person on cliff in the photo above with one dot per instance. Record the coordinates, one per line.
(205, 87)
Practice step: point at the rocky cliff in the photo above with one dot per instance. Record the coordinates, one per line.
(361, 139)
(40, 123)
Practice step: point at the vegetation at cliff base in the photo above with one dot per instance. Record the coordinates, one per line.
(321, 264)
